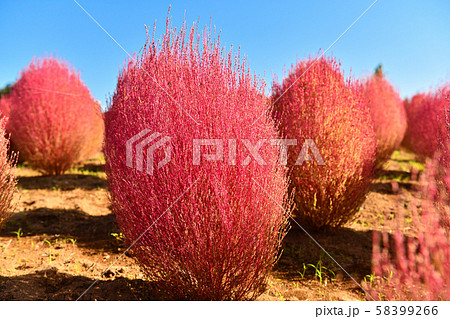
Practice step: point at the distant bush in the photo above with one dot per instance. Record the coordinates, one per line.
(426, 122)
(201, 232)
(412, 106)
(388, 115)
(96, 135)
(316, 102)
(54, 118)
(7, 177)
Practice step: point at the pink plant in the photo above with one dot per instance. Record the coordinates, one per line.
(54, 118)
(7, 177)
(316, 102)
(411, 108)
(202, 232)
(426, 122)
(388, 115)
(5, 106)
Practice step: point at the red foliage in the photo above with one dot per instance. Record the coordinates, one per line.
(316, 102)
(7, 177)
(388, 115)
(411, 108)
(54, 119)
(208, 231)
(5, 106)
(426, 122)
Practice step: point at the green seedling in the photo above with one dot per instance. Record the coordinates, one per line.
(278, 294)
(51, 256)
(370, 279)
(69, 240)
(381, 217)
(363, 223)
(320, 271)
(302, 274)
(18, 233)
(408, 220)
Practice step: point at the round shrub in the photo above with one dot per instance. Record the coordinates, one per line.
(316, 102)
(7, 177)
(388, 115)
(411, 107)
(205, 231)
(426, 122)
(54, 118)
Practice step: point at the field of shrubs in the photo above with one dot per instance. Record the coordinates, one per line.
(329, 188)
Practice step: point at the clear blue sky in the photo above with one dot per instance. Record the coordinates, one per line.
(410, 38)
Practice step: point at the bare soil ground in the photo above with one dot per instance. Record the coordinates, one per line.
(63, 236)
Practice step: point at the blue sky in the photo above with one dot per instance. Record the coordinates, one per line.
(410, 38)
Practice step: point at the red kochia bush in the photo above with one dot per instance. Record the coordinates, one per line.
(388, 115)
(7, 176)
(214, 229)
(316, 102)
(411, 108)
(54, 117)
(426, 122)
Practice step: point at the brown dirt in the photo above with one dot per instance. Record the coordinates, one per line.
(63, 237)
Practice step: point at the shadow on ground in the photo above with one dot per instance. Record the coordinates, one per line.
(56, 285)
(89, 231)
(62, 182)
(351, 249)
(388, 188)
(93, 167)
(395, 175)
